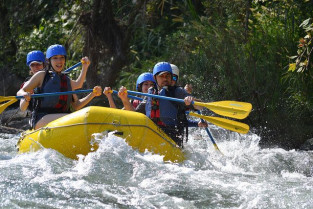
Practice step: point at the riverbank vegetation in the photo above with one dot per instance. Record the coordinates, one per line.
(255, 51)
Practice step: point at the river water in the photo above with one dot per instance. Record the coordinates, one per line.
(116, 176)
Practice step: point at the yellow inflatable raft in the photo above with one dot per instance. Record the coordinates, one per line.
(71, 135)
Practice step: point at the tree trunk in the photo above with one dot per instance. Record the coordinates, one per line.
(106, 42)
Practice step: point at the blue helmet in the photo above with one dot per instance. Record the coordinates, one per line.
(35, 56)
(54, 50)
(144, 77)
(162, 67)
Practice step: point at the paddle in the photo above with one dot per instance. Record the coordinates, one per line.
(232, 109)
(12, 99)
(210, 135)
(73, 67)
(221, 122)
(129, 96)
(224, 123)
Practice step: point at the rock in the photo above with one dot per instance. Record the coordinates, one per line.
(15, 119)
(10, 83)
(307, 145)
(8, 130)
(11, 119)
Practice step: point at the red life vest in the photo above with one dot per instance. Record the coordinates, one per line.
(155, 112)
(62, 104)
(135, 103)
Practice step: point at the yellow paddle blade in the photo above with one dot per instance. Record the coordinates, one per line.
(3, 99)
(224, 123)
(5, 105)
(232, 109)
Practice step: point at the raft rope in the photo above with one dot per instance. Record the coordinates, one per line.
(113, 124)
(36, 142)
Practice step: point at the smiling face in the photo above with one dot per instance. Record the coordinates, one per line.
(35, 67)
(164, 79)
(58, 62)
(146, 85)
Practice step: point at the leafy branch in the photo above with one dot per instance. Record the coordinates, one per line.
(305, 48)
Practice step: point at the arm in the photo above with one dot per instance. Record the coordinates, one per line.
(142, 106)
(30, 85)
(78, 83)
(108, 93)
(189, 99)
(188, 88)
(28, 89)
(24, 103)
(78, 104)
(192, 123)
(122, 94)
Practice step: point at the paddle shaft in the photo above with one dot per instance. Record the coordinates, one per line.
(73, 67)
(209, 133)
(57, 93)
(129, 96)
(233, 109)
(157, 96)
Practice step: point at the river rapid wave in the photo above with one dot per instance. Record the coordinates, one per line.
(116, 176)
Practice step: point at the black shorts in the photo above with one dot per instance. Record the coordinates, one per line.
(35, 118)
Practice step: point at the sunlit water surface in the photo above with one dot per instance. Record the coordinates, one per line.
(116, 176)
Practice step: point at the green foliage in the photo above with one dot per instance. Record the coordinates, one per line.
(37, 25)
(227, 49)
(300, 75)
(17, 22)
(230, 50)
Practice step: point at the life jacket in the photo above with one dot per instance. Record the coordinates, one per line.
(155, 112)
(54, 82)
(169, 115)
(135, 103)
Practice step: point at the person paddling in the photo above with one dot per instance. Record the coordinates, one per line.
(169, 116)
(35, 61)
(175, 72)
(143, 83)
(47, 109)
(188, 87)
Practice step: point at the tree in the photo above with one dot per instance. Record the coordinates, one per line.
(107, 39)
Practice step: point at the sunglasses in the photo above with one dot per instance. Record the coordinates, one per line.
(175, 78)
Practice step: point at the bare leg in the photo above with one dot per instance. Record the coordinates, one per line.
(47, 119)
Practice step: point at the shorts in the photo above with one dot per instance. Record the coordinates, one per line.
(35, 118)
